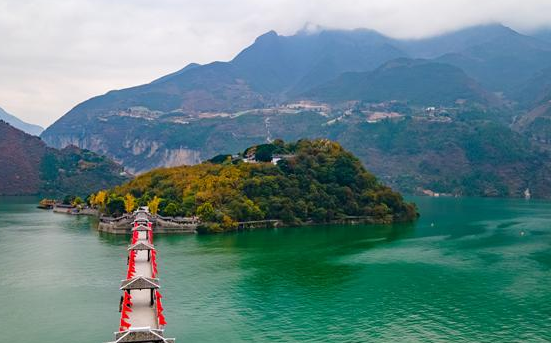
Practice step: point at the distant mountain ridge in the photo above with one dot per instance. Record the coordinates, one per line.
(31, 129)
(504, 63)
(418, 82)
(315, 84)
(275, 67)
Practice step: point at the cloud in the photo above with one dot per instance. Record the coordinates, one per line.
(57, 53)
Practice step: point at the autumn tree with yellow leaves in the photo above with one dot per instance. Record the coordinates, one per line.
(129, 203)
(99, 199)
(154, 205)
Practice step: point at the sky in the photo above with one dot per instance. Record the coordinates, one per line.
(57, 53)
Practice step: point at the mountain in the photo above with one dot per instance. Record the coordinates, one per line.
(464, 155)
(418, 82)
(30, 167)
(330, 84)
(503, 63)
(544, 34)
(535, 101)
(275, 67)
(258, 76)
(536, 124)
(31, 129)
(536, 90)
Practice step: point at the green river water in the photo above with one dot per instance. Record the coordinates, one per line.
(470, 270)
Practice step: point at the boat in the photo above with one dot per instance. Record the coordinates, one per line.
(46, 204)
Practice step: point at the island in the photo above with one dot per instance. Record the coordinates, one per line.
(299, 183)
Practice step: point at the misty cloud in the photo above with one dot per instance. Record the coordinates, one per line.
(57, 53)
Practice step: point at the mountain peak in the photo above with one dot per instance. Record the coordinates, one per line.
(268, 36)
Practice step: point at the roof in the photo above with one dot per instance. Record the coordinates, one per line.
(142, 215)
(141, 228)
(141, 246)
(141, 220)
(140, 282)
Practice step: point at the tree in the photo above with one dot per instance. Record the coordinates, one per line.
(228, 223)
(92, 199)
(171, 210)
(68, 199)
(144, 199)
(264, 152)
(154, 205)
(77, 201)
(129, 203)
(188, 205)
(206, 212)
(219, 159)
(115, 206)
(100, 199)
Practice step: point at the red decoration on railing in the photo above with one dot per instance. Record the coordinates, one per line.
(124, 325)
(127, 299)
(131, 265)
(135, 236)
(159, 305)
(126, 307)
(162, 321)
(154, 262)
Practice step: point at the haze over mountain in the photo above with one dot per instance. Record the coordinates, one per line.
(505, 62)
(311, 84)
(276, 67)
(31, 129)
(93, 46)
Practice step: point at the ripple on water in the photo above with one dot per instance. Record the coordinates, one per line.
(463, 273)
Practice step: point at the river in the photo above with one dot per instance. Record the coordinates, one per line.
(470, 270)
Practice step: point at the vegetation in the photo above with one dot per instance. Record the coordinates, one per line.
(318, 182)
(98, 200)
(129, 203)
(153, 204)
(76, 171)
